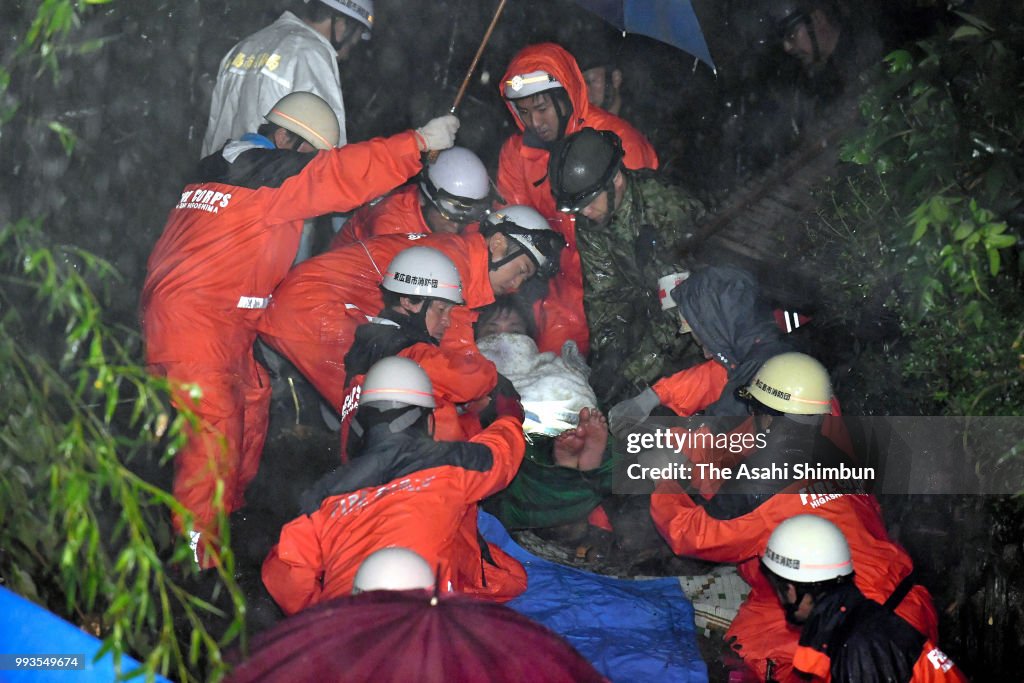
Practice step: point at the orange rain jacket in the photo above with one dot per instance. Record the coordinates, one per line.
(398, 213)
(760, 629)
(409, 491)
(315, 311)
(523, 179)
(227, 243)
(456, 377)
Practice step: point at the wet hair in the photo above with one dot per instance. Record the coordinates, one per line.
(311, 10)
(395, 298)
(268, 129)
(508, 303)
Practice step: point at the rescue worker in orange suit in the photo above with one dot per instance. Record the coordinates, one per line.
(229, 241)
(546, 93)
(789, 396)
(402, 489)
(421, 286)
(314, 314)
(845, 637)
(454, 192)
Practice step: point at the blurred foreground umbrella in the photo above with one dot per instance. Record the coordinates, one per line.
(384, 636)
(669, 21)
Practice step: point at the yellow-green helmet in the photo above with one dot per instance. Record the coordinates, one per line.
(793, 383)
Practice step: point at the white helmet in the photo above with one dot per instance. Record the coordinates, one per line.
(526, 226)
(397, 380)
(308, 116)
(666, 284)
(807, 549)
(457, 184)
(793, 383)
(393, 569)
(423, 271)
(360, 10)
(524, 85)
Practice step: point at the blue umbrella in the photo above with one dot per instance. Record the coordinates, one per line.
(669, 21)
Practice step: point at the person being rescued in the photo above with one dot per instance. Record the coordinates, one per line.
(421, 287)
(789, 397)
(567, 470)
(402, 489)
(452, 196)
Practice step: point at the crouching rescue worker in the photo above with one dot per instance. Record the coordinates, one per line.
(789, 397)
(402, 489)
(722, 309)
(227, 244)
(420, 288)
(454, 192)
(845, 636)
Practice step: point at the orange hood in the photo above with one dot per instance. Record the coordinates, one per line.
(555, 60)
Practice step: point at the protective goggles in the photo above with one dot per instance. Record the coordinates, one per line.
(453, 207)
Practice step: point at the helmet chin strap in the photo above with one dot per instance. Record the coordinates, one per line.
(563, 106)
(515, 250)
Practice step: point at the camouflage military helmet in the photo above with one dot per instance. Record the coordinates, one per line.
(583, 166)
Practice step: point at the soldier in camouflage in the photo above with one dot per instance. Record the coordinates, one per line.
(629, 226)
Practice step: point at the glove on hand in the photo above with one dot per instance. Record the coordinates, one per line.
(632, 411)
(438, 134)
(572, 357)
(507, 400)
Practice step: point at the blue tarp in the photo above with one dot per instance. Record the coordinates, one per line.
(630, 630)
(28, 629)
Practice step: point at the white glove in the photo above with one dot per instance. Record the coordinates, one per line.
(632, 411)
(573, 359)
(438, 134)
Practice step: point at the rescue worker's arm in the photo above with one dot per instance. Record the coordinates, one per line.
(609, 302)
(504, 439)
(690, 530)
(511, 181)
(459, 336)
(344, 178)
(457, 377)
(293, 570)
(692, 389)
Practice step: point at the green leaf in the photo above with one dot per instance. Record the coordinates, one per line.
(66, 135)
(919, 231)
(964, 230)
(899, 61)
(993, 261)
(966, 32)
(1000, 241)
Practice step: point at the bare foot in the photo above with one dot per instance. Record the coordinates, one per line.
(583, 448)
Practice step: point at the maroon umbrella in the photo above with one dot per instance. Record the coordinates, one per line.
(405, 636)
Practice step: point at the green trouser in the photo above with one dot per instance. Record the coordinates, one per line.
(544, 494)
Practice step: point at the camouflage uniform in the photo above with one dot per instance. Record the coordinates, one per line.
(632, 341)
